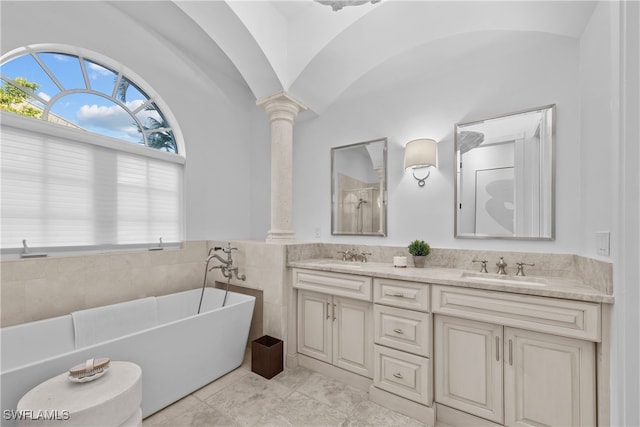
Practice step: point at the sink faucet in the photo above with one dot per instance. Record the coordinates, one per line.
(362, 256)
(501, 266)
(521, 265)
(348, 255)
(483, 269)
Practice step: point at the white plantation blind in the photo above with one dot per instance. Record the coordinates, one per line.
(65, 192)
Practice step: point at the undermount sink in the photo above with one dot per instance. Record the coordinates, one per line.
(505, 279)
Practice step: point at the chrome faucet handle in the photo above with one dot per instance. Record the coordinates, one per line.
(363, 256)
(521, 265)
(501, 266)
(483, 268)
(227, 249)
(344, 254)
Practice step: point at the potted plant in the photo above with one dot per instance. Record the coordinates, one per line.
(419, 249)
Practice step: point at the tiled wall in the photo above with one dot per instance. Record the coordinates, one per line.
(39, 288)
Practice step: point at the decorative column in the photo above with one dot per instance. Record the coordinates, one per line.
(282, 110)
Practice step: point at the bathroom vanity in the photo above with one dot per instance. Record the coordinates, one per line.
(455, 347)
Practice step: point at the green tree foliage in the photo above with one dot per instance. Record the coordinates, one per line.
(17, 101)
(123, 86)
(162, 140)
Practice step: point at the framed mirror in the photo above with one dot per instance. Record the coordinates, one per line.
(505, 176)
(359, 189)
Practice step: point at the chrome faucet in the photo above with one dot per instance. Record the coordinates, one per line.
(227, 269)
(348, 255)
(210, 256)
(501, 266)
(354, 255)
(483, 268)
(521, 265)
(362, 255)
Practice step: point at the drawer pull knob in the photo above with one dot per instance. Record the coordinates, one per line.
(398, 375)
(398, 331)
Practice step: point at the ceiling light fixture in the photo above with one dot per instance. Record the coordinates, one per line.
(336, 5)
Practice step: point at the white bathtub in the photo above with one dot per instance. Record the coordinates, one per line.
(182, 353)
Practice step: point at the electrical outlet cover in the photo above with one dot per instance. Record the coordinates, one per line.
(603, 243)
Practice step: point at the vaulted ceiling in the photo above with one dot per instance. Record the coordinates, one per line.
(315, 54)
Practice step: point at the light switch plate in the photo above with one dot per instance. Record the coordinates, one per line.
(603, 243)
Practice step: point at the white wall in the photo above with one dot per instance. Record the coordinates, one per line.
(424, 93)
(212, 104)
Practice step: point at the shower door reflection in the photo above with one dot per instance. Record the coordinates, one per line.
(358, 186)
(360, 213)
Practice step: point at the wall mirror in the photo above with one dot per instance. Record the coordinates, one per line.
(359, 188)
(505, 176)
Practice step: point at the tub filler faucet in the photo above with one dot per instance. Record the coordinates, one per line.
(226, 268)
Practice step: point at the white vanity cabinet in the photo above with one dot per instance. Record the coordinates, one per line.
(403, 340)
(335, 329)
(511, 375)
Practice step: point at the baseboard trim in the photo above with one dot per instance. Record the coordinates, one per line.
(291, 361)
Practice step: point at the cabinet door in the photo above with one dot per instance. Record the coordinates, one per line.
(549, 380)
(468, 366)
(353, 336)
(314, 325)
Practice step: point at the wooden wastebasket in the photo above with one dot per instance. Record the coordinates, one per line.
(266, 356)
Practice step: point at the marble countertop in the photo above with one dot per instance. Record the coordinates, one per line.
(554, 287)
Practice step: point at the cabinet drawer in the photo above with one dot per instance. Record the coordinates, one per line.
(404, 374)
(575, 319)
(403, 329)
(344, 285)
(398, 293)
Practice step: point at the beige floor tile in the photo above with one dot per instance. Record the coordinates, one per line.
(301, 410)
(249, 399)
(333, 393)
(212, 388)
(295, 397)
(293, 377)
(178, 410)
(371, 414)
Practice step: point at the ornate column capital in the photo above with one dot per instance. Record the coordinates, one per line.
(281, 106)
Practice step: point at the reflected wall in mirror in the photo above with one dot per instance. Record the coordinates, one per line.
(359, 188)
(505, 176)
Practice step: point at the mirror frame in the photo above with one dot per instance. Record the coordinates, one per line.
(383, 207)
(457, 160)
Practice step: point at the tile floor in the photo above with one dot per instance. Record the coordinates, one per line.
(295, 397)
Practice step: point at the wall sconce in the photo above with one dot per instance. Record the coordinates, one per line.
(420, 154)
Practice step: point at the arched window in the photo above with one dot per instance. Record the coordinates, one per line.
(74, 91)
(89, 158)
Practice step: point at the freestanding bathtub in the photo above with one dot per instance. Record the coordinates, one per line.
(182, 352)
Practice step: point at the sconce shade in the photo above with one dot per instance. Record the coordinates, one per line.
(420, 153)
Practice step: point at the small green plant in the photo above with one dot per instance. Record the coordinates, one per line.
(419, 248)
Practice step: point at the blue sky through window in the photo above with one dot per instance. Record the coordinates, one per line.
(96, 112)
